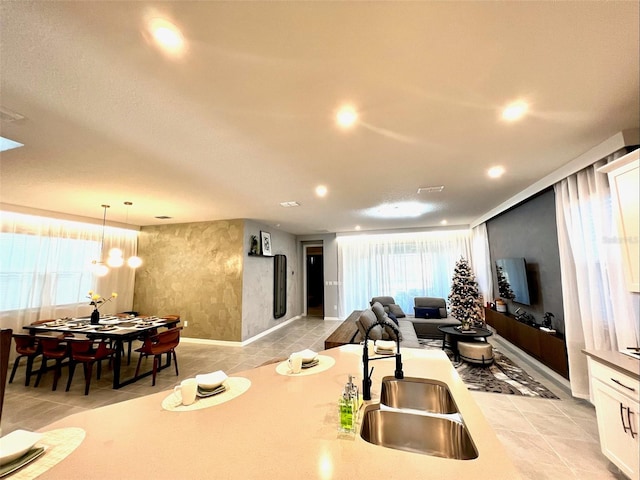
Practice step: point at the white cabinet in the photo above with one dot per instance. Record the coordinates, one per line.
(624, 180)
(616, 398)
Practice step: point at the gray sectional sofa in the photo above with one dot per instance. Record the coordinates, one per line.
(429, 313)
(412, 327)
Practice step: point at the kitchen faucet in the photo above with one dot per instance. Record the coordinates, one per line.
(366, 377)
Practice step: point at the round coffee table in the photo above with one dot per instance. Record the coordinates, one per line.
(456, 334)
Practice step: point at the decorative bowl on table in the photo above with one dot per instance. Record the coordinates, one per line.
(211, 381)
(17, 443)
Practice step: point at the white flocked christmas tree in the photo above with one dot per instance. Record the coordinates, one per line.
(464, 296)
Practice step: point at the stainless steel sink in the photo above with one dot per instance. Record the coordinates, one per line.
(417, 393)
(426, 434)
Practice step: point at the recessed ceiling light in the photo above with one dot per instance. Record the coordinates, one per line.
(515, 111)
(347, 116)
(495, 172)
(6, 144)
(289, 204)
(357, 227)
(443, 222)
(321, 190)
(167, 35)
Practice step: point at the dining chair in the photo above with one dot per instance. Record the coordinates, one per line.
(158, 344)
(87, 353)
(26, 346)
(56, 349)
(5, 347)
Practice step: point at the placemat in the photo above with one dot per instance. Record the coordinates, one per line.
(60, 443)
(325, 363)
(236, 386)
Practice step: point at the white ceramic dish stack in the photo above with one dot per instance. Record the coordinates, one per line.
(17, 443)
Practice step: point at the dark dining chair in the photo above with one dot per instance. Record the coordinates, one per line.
(158, 344)
(56, 349)
(87, 352)
(5, 347)
(26, 346)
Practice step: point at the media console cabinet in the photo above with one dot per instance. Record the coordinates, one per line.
(548, 348)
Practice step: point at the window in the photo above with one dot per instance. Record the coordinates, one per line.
(36, 271)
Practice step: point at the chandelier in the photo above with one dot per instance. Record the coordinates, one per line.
(115, 258)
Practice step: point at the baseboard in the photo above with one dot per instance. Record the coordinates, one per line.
(525, 358)
(229, 343)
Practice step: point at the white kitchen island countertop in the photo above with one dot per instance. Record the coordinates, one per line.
(282, 427)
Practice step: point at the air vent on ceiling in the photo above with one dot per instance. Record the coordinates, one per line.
(432, 189)
(8, 116)
(289, 204)
(163, 217)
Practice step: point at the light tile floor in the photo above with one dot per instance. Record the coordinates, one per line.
(555, 439)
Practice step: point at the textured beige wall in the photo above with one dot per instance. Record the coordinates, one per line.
(194, 270)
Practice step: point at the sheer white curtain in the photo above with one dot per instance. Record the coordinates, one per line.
(401, 265)
(45, 268)
(594, 294)
(482, 261)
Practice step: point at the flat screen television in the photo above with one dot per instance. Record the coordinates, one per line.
(514, 272)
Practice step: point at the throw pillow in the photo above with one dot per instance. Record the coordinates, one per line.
(393, 318)
(396, 310)
(378, 309)
(390, 333)
(368, 318)
(427, 312)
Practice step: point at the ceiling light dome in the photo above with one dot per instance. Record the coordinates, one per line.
(399, 210)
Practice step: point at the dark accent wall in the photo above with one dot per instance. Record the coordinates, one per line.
(529, 230)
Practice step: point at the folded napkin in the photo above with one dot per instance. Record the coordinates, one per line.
(385, 344)
(307, 355)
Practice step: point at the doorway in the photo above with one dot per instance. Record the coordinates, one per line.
(314, 281)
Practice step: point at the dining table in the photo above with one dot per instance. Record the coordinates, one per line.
(116, 329)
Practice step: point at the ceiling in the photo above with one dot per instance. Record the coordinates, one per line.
(244, 119)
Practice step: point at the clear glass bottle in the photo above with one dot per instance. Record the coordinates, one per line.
(345, 405)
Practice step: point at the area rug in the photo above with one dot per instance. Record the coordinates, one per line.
(503, 376)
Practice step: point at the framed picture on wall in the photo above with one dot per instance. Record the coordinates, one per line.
(265, 243)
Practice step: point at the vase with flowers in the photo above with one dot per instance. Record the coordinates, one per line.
(97, 301)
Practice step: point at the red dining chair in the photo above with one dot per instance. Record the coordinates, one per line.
(56, 349)
(156, 345)
(86, 352)
(26, 346)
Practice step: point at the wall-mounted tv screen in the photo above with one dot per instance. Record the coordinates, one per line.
(514, 273)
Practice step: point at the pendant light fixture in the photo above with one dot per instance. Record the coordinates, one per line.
(115, 258)
(98, 266)
(134, 261)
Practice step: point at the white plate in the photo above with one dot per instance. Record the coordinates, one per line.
(211, 380)
(109, 321)
(307, 355)
(16, 444)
